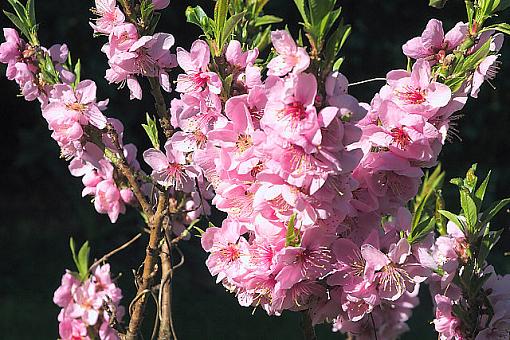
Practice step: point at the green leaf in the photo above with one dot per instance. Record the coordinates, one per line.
(454, 218)
(503, 27)
(489, 240)
(197, 16)
(480, 192)
(489, 214)
(471, 179)
(319, 9)
(72, 246)
(31, 11)
(421, 230)
(230, 25)
(83, 260)
(220, 17)
(300, 4)
(17, 22)
(338, 63)
(470, 212)
(417, 217)
(77, 73)
(292, 237)
(267, 20)
(151, 128)
(437, 3)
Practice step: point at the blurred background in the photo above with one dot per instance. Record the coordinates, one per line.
(41, 204)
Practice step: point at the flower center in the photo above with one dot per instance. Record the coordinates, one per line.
(76, 107)
(400, 137)
(296, 111)
(412, 95)
(244, 142)
(230, 253)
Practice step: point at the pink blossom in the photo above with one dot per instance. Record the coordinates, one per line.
(446, 324)
(290, 56)
(433, 43)
(108, 200)
(170, 169)
(109, 16)
(195, 64)
(488, 68)
(416, 92)
(12, 48)
(227, 249)
(310, 260)
(235, 55)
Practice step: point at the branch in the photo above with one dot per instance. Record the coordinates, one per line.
(307, 326)
(165, 294)
(161, 109)
(115, 251)
(122, 165)
(146, 281)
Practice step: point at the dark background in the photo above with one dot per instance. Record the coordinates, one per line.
(42, 205)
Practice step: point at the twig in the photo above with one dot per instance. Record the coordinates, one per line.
(146, 281)
(161, 109)
(165, 293)
(121, 164)
(115, 251)
(373, 326)
(367, 81)
(307, 326)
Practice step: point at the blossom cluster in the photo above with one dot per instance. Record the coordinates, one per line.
(316, 185)
(73, 115)
(130, 54)
(88, 305)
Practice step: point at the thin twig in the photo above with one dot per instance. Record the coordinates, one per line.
(373, 325)
(115, 251)
(367, 81)
(307, 326)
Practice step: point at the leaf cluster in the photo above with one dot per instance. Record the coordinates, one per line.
(81, 259)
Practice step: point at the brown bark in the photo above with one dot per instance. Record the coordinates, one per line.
(147, 279)
(307, 326)
(165, 312)
(161, 109)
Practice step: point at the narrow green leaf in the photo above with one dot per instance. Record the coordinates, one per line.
(469, 208)
(338, 63)
(489, 240)
(230, 25)
(437, 3)
(83, 260)
(220, 17)
(151, 129)
(454, 218)
(77, 73)
(300, 4)
(480, 192)
(417, 217)
(489, 214)
(503, 28)
(72, 246)
(31, 11)
(17, 22)
(267, 20)
(421, 230)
